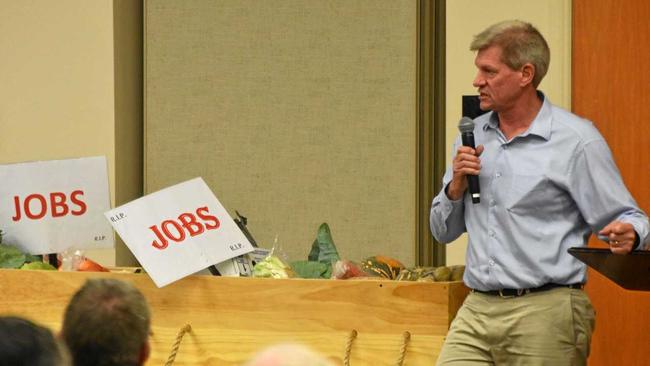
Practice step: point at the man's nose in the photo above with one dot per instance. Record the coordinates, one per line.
(478, 81)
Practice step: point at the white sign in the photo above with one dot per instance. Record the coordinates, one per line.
(50, 206)
(178, 231)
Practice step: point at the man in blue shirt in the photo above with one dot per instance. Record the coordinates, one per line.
(547, 181)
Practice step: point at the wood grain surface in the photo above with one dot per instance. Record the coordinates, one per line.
(232, 318)
(610, 52)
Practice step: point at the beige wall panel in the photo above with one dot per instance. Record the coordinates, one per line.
(127, 31)
(294, 112)
(466, 18)
(56, 72)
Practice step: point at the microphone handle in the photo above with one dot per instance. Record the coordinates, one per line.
(472, 180)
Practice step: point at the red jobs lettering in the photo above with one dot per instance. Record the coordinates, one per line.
(36, 205)
(187, 224)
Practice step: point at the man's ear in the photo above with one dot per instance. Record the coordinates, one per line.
(145, 351)
(527, 74)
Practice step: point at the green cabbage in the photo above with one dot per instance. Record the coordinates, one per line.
(11, 257)
(273, 267)
(38, 265)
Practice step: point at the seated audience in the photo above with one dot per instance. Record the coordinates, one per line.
(107, 323)
(288, 355)
(23, 343)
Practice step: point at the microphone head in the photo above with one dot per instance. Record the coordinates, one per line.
(466, 124)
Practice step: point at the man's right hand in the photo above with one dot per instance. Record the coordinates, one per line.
(466, 162)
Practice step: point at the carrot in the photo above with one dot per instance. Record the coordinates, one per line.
(90, 266)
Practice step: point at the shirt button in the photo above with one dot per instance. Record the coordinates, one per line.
(497, 175)
(491, 233)
(491, 262)
(493, 203)
(505, 147)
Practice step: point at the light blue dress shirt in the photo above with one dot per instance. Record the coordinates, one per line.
(542, 193)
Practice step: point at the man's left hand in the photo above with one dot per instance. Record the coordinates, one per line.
(621, 236)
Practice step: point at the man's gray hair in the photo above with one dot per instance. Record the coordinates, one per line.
(520, 43)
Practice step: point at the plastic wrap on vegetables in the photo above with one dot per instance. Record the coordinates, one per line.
(75, 260)
(273, 266)
(344, 269)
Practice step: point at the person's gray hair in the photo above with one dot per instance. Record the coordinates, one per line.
(520, 43)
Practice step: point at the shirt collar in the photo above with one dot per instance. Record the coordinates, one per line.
(541, 125)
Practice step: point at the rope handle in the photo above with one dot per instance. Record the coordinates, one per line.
(406, 338)
(179, 337)
(348, 347)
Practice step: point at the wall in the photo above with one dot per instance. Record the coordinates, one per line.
(127, 45)
(58, 95)
(56, 72)
(466, 18)
(295, 113)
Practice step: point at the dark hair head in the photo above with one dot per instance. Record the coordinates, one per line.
(23, 343)
(106, 323)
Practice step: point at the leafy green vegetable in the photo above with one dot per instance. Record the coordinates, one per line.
(323, 249)
(273, 267)
(310, 269)
(32, 258)
(11, 257)
(38, 265)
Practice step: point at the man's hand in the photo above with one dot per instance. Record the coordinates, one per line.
(466, 162)
(621, 236)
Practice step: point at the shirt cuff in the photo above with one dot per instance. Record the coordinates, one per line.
(449, 203)
(447, 195)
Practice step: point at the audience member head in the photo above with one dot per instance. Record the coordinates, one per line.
(107, 323)
(288, 355)
(23, 343)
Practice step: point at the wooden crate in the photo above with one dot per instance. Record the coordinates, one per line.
(232, 318)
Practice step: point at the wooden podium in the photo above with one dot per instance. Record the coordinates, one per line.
(232, 318)
(618, 287)
(630, 271)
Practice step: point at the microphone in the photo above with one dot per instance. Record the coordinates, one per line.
(466, 127)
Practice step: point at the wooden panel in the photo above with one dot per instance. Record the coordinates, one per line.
(232, 318)
(610, 46)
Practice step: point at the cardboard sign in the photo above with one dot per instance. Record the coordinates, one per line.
(178, 231)
(242, 266)
(50, 206)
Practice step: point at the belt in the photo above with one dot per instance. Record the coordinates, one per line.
(513, 292)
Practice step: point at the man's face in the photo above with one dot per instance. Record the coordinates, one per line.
(498, 85)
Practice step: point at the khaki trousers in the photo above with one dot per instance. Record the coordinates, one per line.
(551, 328)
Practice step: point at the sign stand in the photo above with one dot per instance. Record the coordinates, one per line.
(53, 259)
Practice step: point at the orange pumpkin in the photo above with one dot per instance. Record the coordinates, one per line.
(383, 266)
